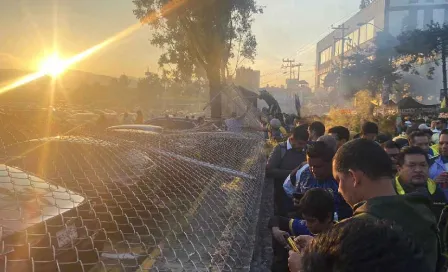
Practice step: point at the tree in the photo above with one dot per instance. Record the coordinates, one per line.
(369, 69)
(200, 34)
(124, 81)
(428, 46)
(150, 86)
(365, 3)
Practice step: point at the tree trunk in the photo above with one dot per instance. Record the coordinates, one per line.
(214, 79)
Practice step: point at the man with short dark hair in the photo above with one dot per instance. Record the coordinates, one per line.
(420, 139)
(316, 207)
(284, 158)
(392, 149)
(369, 131)
(361, 246)
(365, 176)
(317, 173)
(315, 130)
(413, 171)
(341, 134)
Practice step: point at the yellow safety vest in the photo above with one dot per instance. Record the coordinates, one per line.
(435, 150)
(432, 186)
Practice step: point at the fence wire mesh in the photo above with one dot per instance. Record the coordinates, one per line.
(73, 198)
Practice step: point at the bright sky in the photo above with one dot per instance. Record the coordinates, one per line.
(288, 28)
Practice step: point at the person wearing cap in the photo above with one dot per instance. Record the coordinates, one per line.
(276, 132)
(424, 127)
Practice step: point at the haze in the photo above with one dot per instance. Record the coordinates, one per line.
(31, 30)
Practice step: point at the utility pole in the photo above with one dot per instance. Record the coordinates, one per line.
(298, 71)
(290, 64)
(445, 81)
(342, 28)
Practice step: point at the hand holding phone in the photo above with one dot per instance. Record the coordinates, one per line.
(292, 244)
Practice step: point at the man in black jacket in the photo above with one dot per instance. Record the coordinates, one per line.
(284, 158)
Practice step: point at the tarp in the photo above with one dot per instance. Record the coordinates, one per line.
(408, 106)
(250, 96)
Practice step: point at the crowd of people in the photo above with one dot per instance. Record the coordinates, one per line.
(369, 202)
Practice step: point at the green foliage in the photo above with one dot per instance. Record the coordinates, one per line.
(365, 3)
(200, 35)
(419, 47)
(150, 86)
(362, 112)
(362, 72)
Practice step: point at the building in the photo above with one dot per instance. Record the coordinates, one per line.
(248, 78)
(392, 16)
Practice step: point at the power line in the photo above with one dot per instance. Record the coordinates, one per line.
(276, 71)
(291, 65)
(323, 34)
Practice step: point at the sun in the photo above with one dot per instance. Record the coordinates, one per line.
(53, 65)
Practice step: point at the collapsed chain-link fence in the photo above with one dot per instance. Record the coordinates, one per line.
(128, 199)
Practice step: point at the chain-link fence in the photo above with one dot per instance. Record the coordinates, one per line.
(128, 199)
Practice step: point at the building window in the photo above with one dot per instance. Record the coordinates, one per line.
(321, 79)
(438, 16)
(338, 48)
(370, 30)
(398, 22)
(362, 34)
(351, 41)
(355, 38)
(325, 55)
(420, 19)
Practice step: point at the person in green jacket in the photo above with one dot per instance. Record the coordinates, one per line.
(365, 176)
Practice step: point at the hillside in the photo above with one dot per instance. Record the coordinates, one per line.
(71, 79)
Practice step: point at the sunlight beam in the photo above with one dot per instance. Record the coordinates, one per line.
(168, 8)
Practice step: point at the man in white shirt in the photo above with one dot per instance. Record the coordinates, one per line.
(235, 123)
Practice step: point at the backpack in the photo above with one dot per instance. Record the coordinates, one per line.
(283, 149)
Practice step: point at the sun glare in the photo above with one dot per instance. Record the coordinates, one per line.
(53, 65)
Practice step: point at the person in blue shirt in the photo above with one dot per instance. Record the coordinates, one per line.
(317, 174)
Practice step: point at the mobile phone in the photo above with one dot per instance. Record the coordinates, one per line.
(292, 244)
